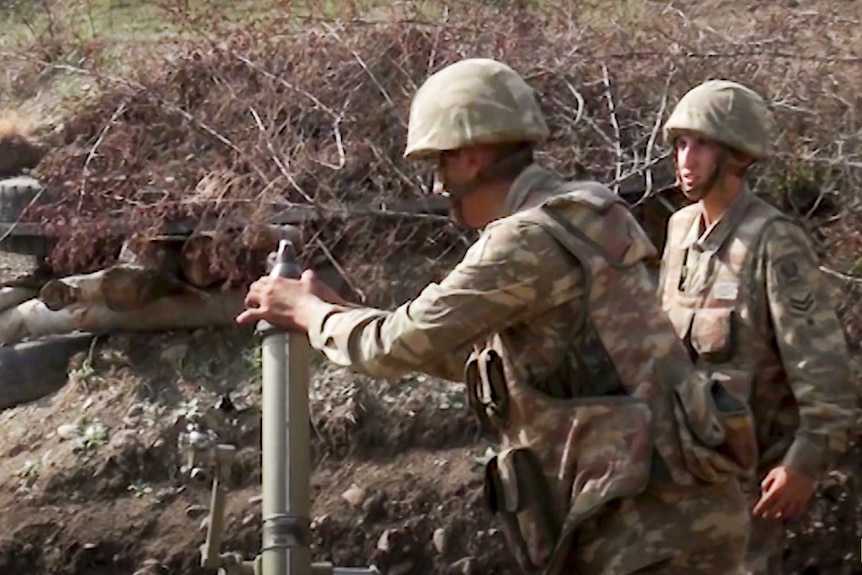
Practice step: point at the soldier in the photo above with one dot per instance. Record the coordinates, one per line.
(741, 284)
(611, 443)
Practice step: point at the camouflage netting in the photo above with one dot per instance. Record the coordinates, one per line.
(261, 118)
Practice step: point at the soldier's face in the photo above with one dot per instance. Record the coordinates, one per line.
(696, 160)
(457, 174)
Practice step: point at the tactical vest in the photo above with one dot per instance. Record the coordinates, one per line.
(562, 460)
(722, 316)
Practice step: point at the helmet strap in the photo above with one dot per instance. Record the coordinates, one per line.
(505, 167)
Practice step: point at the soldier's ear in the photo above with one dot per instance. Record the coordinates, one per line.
(475, 160)
(740, 162)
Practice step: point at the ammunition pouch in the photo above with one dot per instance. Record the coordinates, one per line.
(717, 431)
(561, 460)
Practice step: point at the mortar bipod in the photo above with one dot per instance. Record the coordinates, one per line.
(205, 452)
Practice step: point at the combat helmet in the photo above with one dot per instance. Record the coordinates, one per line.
(728, 113)
(474, 101)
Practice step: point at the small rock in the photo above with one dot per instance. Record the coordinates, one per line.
(384, 543)
(150, 567)
(255, 500)
(248, 519)
(439, 539)
(67, 431)
(196, 510)
(465, 566)
(136, 410)
(125, 438)
(163, 494)
(205, 523)
(354, 495)
(374, 507)
(174, 354)
(319, 521)
(89, 546)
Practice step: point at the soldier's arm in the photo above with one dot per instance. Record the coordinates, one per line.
(515, 271)
(812, 346)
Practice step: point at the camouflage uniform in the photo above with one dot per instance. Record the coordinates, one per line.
(610, 440)
(748, 299)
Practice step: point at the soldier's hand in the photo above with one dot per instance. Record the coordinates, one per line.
(280, 301)
(784, 494)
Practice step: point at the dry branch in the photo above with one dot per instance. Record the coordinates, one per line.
(120, 288)
(252, 121)
(612, 110)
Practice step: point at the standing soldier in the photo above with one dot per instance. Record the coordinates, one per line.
(742, 287)
(617, 456)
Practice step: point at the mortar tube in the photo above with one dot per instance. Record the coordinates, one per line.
(286, 441)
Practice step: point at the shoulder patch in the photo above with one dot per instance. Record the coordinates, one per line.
(787, 269)
(793, 282)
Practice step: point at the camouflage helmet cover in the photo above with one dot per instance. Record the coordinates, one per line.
(726, 112)
(474, 101)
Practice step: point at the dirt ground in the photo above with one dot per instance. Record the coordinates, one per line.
(97, 485)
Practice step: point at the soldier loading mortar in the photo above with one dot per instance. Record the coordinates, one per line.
(518, 159)
(534, 186)
(579, 475)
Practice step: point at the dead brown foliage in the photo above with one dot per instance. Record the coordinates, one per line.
(240, 123)
(17, 152)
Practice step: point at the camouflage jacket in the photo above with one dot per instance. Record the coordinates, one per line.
(516, 280)
(748, 299)
(568, 330)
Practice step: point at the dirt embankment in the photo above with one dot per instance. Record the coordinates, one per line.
(92, 479)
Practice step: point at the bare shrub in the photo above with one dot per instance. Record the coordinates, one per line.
(240, 123)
